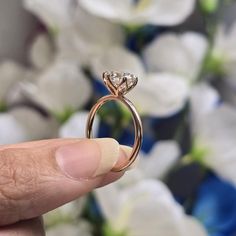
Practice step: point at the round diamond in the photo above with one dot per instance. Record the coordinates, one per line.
(119, 83)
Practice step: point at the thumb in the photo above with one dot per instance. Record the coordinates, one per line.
(37, 177)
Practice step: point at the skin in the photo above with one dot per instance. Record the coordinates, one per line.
(31, 184)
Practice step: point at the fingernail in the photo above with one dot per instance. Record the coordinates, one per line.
(125, 152)
(88, 158)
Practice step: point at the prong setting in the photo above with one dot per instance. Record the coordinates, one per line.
(119, 83)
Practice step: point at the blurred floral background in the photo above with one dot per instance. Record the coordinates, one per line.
(52, 55)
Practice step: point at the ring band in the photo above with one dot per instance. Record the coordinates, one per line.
(119, 84)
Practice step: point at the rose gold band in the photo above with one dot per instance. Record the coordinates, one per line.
(136, 120)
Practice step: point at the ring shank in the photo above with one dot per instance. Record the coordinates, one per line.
(136, 120)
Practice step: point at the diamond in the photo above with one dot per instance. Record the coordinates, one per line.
(119, 83)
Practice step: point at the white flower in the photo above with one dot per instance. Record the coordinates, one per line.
(180, 54)
(160, 94)
(224, 52)
(56, 14)
(78, 35)
(24, 124)
(204, 99)
(145, 208)
(61, 88)
(153, 165)
(41, 52)
(68, 212)
(11, 74)
(117, 59)
(215, 133)
(87, 37)
(75, 126)
(82, 228)
(214, 130)
(156, 94)
(159, 160)
(158, 12)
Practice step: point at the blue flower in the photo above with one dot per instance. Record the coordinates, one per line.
(216, 206)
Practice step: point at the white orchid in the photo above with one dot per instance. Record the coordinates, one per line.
(158, 12)
(75, 126)
(82, 228)
(79, 35)
(156, 94)
(159, 160)
(223, 57)
(61, 88)
(41, 52)
(179, 54)
(222, 61)
(214, 130)
(24, 124)
(160, 94)
(153, 165)
(11, 74)
(204, 99)
(117, 59)
(56, 14)
(145, 208)
(66, 213)
(215, 135)
(87, 37)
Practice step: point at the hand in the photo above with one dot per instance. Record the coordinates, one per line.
(37, 177)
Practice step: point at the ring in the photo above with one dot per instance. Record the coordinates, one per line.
(119, 84)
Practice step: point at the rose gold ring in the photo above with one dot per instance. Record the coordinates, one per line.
(119, 84)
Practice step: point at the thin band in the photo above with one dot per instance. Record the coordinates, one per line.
(136, 120)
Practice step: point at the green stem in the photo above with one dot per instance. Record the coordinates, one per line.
(210, 22)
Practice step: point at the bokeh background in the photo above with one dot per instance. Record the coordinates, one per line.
(52, 55)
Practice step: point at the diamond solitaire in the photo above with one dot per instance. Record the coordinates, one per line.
(119, 83)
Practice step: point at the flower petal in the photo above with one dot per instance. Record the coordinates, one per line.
(160, 94)
(159, 12)
(216, 132)
(82, 228)
(194, 226)
(109, 201)
(10, 74)
(204, 99)
(24, 124)
(140, 205)
(41, 52)
(61, 88)
(196, 44)
(87, 37)
(56, 14)
(224, 51)
(68, 212)
(171, 12)
(75, 126)
(162, 157)
(186, 52)
(117, 59)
